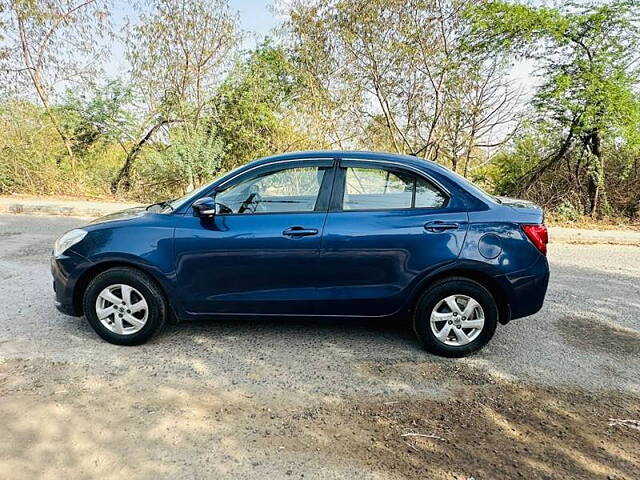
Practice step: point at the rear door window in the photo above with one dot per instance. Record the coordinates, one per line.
(386, 189)
(427, 195)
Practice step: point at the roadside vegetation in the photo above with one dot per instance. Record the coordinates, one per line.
(431, 78)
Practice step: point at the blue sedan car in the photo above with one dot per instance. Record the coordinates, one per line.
(313, 234)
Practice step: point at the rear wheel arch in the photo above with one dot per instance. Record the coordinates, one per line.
(485, 280)
(448, 328)
(85, 279)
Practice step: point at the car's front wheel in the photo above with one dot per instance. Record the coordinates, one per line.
(455, 317)
(124, 306)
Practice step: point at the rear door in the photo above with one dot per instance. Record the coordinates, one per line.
(387, 226)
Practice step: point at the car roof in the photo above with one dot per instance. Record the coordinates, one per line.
(359, 154)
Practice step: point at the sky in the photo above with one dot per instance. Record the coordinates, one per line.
(258, 18)
(255, 15)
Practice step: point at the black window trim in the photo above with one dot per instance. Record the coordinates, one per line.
(337, 197)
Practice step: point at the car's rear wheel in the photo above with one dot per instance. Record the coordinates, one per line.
(124, 306)
(455, 317)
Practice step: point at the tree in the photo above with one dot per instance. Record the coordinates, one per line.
(255, 107)
(100, 113)
(398, 76)
(585, 54)
(176, 53)
(52, 41)
(480, 114)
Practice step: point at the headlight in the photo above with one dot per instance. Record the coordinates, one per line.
(68, 240)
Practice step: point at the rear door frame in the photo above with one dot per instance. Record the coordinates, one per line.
(455, 207)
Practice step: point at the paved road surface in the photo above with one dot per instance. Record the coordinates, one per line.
(320, 399)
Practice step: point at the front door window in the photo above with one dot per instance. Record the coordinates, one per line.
(281, 191)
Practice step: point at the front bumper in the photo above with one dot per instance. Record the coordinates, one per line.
(66, 309)
(66, 271)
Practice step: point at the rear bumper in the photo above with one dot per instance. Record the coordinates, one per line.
(66, 270)
(525, 290)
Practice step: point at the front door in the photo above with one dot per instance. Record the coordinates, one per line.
(258, 255)
(387, 227)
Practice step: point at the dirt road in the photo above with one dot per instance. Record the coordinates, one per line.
(553, 396)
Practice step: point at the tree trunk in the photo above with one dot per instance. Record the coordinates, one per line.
(34, 73)
(123, 179)
(596, 177)
(454, 163)
(529, 178)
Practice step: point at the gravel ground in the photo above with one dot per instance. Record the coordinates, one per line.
(321, 399)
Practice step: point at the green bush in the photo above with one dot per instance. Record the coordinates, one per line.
(170, 171)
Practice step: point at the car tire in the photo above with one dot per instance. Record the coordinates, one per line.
(123, 326)
(433, 305)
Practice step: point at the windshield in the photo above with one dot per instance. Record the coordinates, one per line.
(174, 204)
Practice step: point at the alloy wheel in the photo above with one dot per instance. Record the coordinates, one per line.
(457, 320)
(122, 309)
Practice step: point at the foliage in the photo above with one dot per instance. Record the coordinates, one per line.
(525, 152)
(423, 77)
(559, 189)
(30, 153)
(100, 116)
(588, 88)
(29, 150)
(189, 160)
(255, 105)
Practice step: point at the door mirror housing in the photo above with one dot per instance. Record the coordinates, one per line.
(204, 207)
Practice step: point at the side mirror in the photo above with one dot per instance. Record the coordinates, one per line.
(204, 207)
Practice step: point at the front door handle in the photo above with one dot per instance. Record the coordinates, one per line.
(440, 226)
(300, 232)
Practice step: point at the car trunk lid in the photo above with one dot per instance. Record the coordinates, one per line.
(526, 211)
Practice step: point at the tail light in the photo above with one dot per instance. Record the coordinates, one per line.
(538, 235)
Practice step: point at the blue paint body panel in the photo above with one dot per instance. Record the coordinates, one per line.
(243, 264)
(359, 263)
(370, 260)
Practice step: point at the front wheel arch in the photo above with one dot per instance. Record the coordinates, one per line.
(83, 282)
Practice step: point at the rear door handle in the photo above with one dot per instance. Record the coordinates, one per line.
(440, 226)
(300, 232)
